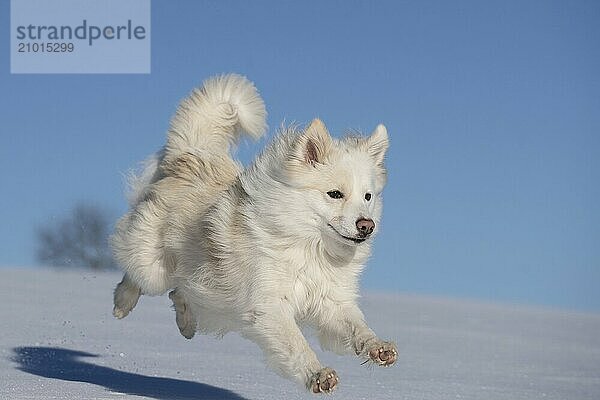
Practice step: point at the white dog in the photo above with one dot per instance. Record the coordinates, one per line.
(262, 249)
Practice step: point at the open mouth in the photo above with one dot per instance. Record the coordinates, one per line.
(355, 240)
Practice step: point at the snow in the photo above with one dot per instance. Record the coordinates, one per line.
(59, 341)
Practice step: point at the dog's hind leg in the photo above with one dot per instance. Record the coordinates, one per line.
(183, 315)
(127, 294)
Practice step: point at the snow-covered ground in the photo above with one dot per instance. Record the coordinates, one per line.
(59, 341)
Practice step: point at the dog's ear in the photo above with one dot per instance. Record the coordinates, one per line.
(315, 143)
(377, 144)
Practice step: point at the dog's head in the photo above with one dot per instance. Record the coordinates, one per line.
(342, 179)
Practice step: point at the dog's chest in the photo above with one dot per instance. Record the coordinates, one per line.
(313, 287)
(312, 283)
(306, 298)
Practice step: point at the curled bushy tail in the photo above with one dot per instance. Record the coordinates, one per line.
(206, 123)
(215, 115)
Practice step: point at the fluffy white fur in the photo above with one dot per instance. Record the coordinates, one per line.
(260, 250)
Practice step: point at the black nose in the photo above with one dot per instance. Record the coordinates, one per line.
(365, 226)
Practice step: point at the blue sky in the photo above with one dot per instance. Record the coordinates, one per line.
(493, 110)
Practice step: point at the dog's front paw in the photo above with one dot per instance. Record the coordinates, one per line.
(383, 353)
(324, 381)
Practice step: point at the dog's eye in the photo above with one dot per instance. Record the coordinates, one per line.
(335, 194)
(368, 196)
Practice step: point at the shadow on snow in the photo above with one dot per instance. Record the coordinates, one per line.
(65, 364)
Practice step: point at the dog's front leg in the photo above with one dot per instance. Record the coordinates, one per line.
(275, 330)
(343, 328)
